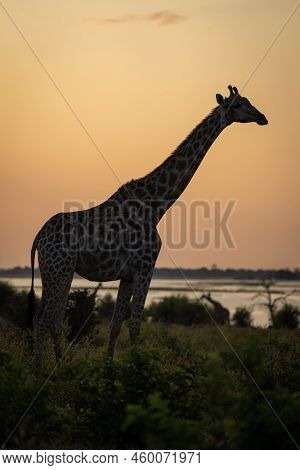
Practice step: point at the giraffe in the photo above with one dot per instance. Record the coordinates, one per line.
(221, 313)
(118, 239)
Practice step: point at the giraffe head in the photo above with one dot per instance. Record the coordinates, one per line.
(239, 109)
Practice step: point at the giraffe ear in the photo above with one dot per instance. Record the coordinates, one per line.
(220, 99)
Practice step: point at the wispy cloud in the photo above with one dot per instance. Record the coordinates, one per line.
(161, 18)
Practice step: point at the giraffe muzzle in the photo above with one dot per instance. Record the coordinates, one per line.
(262, 120)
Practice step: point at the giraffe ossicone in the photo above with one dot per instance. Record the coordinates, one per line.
(118, 239)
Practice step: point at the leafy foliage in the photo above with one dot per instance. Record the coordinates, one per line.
(179, 310)
(80, 311)
(287, 316)
(181, 387)
(242, 317)
(13, 304)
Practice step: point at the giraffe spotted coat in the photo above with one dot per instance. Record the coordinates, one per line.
(118, 239)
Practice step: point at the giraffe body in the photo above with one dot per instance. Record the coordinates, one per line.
(221, 313)
(118, 240)
(99, 247)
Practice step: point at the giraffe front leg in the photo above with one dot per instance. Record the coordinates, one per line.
(123, 299)
(55, 331)
(141, 286)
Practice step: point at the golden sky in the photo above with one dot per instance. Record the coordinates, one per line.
(141, 75)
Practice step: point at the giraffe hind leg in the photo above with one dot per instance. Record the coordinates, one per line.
(123, 299)
(51, 316)
(41, 328)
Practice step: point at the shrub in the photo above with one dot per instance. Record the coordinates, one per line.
(180, 387)
(148, 399)
(105, 308)
(7, 292)
(158, 427)
(14, 304)
(179, 310)
(287, 317)
(242, 317)
(18, 388)
(81, 309)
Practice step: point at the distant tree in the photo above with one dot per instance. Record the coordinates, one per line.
(287, 317)
(269, 302)
(179, 310)
(242, 317)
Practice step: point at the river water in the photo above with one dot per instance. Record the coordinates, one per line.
(230, 292)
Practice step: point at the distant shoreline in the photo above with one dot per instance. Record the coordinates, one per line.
(200, 273)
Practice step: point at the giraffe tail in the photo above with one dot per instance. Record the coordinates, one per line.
(31, 294)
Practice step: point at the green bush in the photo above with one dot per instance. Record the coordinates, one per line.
(287, 317)
(181, 387)
(13, 304)
(18, 387)
(105, 308)
(81, 311)
(242, 317)
(7, 292)
(179, 310)
(176, 394)
(158, 427)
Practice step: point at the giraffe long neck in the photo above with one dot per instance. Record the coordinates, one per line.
(162, 187)
(213, 302)
(167, 182)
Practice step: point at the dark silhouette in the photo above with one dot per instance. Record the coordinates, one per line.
(118, 239)
(269, 302)
(30, 309)
(179, 310)
(198, 273)
(242, 317)
(221, 314)
(80, 312)
(287, 317)
(13, 304)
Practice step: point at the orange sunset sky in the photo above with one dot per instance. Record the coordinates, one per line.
(141, 75)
